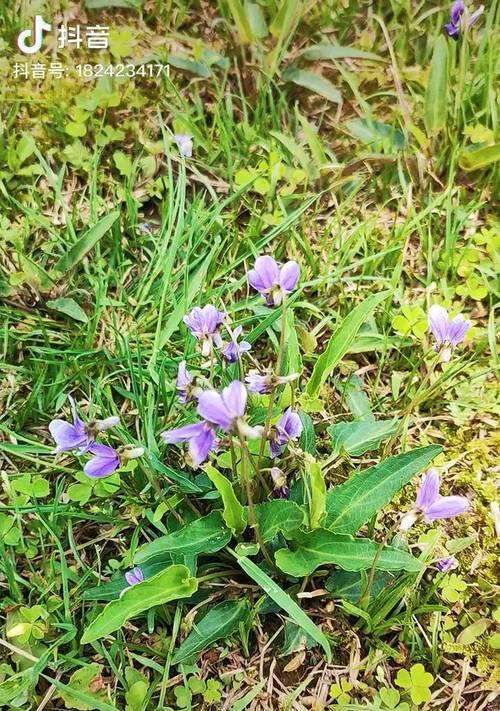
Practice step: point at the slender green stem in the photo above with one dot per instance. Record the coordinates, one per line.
(365, 597)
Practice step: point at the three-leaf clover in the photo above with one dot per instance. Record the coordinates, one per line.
(340, 692)
(417, 681)
(9, 534)
(452, 586)
(411, 320)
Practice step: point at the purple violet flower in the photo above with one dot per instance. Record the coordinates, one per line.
(273, 281)
(447, 564)
(280, 489)
(78, 435)
(447, 332)
(227, 409)
(458, 16)
(134, 576)
(288, 427)
(184, 384)
(234, 350)
(106, 460)
(431, 505)
(204, 325)
(184, 144)
(201, 437)
(258, 383)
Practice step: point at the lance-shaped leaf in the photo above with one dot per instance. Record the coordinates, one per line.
(278, 515)
(205, 535)
(341, 341)
(316, 492)
(360, 436)
(87, 242)
(113, 589)
(234, 514)
(353, 503)
(323, 547)
(219, 622)
(281, 598)
(171, 584)
(436, 95)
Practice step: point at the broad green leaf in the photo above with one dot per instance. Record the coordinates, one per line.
(81, 682)
(68, 307)
(87, 242)
(205, 535)
(316, 492)
(341, 341)
(470, 633)
(313, 82)
(365, 493)
(475, 158)
(276, 516)
(296, 639)
(105, 4)
(200, 69)
(234, 514)
(376, 134)
(360, 436)
(171, 584)
(331, 51)
(256, 19)
(297, 152)
(281, 598)
(436, 95)
(323, 547)
(219, 622)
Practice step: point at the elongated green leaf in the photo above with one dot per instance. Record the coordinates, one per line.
(171, 584)
(205, 535)
(331, 51)
(313, 82)
(219, 622)
(279, 515)
(281, 598)
(356, 399)
(353, 503)
(241, 21)
(436, 95)
(355, 438)
(113, 589)
(475, 158)
(341, 341)
(87, 242)
(297, 152)
(307, 440)
(234, 514)
(68, 307)
(316, 492)
(324, 547)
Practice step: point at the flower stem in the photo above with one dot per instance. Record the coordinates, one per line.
(365, 597)
(272, 395)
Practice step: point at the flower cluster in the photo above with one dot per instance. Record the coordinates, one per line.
(224, 412)
(80, 436)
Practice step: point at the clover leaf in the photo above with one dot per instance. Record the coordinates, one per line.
(417, 681)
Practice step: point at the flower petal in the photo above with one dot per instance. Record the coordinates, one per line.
(446, 507)
(457, 10)
(103, 464)
(202, 445)
(291, 424)
(67, 436)
(457, 330)
(265, 274)
(182, 434)
(212, 408)
(429, 490)
(438, 322)
(289, 276)
(235, 398)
